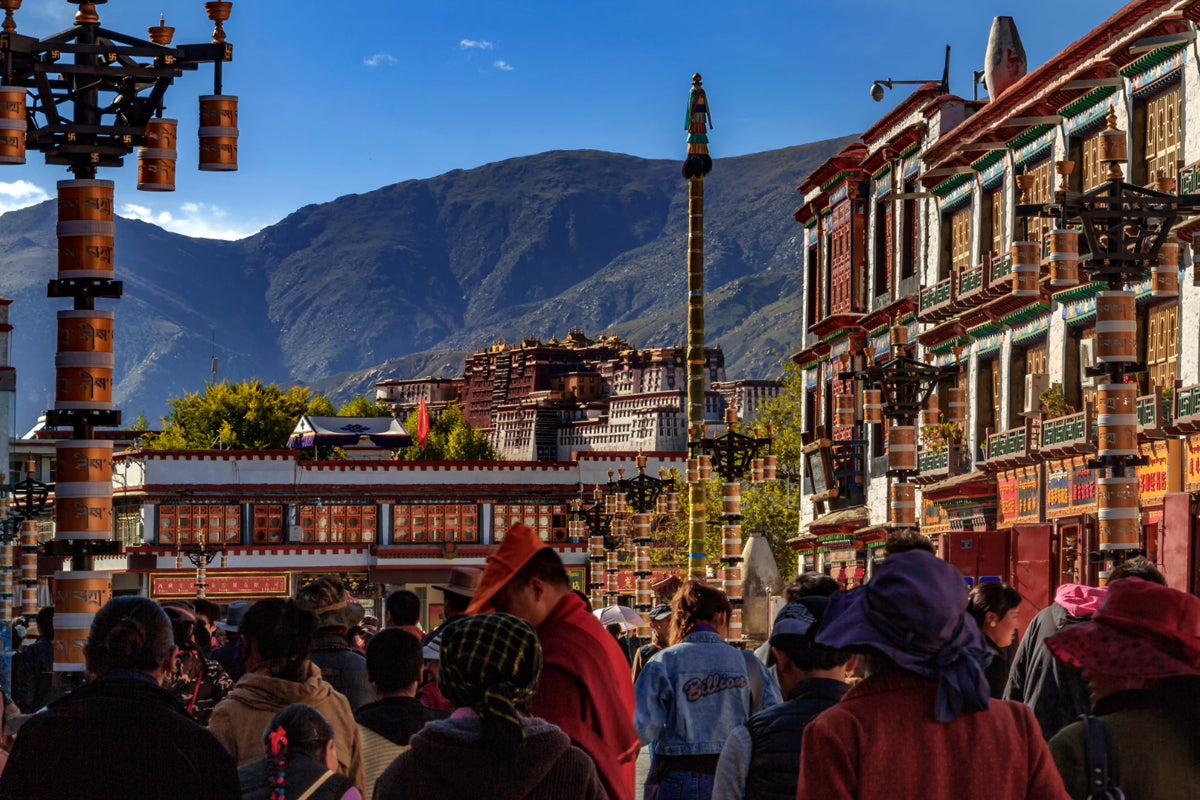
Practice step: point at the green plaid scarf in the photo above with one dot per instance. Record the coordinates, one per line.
(491, 663)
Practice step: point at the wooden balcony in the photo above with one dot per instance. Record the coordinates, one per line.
(935, 301)
(1186, 410)
(1068, 436)
(937, 465)
(1016, 447)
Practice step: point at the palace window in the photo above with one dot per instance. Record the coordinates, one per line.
(435, 522)
(908, 234)
(1162, 345)
(956, 243)
(1160, 133)
(188, 523)
(993, 220)
(1091, 172)
(548, 519)
(883, 248)
(1042, 190)
(338, 523)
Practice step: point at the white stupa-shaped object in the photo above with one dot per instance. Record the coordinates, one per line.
(1004, 63)
(760, 580)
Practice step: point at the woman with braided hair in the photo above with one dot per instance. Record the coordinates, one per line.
(301, 761)
(125, 734)
(276, 635)
(490, 748)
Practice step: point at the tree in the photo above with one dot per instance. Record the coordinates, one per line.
(362, 407)
(236, 416)
(451, 438)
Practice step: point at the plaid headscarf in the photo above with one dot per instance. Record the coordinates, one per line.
(491, 663)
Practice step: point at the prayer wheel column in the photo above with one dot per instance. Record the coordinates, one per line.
(731, 553)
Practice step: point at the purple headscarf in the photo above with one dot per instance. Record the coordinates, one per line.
(914, 611)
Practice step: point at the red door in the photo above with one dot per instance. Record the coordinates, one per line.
(1033, 566)
(1177, 551)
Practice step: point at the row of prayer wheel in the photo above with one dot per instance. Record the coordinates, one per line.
(1064, 266)
(699, 469)
(873, 408)
(218, 144)
(12, 125)
(77, 596)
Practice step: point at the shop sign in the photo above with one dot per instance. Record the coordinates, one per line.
(934, 519)
(1191, 480)
(1006, 504)
(1029, 495)
(1058, 489)
(1161, 472)
(219, 585)
(627, 579)
(577, 577)
(1083, 488)
(358, 584)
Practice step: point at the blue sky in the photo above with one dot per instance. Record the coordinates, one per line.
(340, 98)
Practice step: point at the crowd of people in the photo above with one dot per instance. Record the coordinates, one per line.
(914, 685)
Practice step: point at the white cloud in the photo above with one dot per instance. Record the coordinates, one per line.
(504, 65)
(191, 219)
(380, 60)
(19, 194)
(477, 44)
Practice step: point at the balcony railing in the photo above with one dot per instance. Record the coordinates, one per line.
(970, 280)
(935, 296)
(1013, 447)
(1075, 429)
(942, 463)
(1002, 268)
(1154, 410)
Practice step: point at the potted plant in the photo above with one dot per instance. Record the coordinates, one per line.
(1053, 402)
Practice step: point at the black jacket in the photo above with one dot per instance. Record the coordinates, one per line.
(342, 667)
(775, 734)
(1057, 693)
(397, 718)
(121, 736)
(300, 772)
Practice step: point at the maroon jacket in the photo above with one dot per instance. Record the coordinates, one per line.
(882, 742)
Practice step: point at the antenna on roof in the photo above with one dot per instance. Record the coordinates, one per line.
(213, 377)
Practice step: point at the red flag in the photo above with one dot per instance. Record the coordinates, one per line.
(422, 424)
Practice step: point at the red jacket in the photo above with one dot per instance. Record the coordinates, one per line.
(585, 689)
(882, 743)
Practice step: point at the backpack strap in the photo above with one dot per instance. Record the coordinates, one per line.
(1100, 783)
(754, 675)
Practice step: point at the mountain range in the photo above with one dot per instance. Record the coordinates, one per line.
(406, 280)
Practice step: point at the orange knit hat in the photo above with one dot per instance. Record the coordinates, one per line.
(519, 545)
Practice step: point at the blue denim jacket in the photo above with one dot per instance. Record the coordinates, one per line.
(692, 695)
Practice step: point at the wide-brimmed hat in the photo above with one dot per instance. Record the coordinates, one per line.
(233, 616)
(464, 581)
(659, 613)
(520, 544)
(914, 611)
(1141, 630)
(328, 599)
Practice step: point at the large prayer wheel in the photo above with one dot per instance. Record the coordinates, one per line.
(156, 161)
(85, 331)
(1026, 266)
(1164, 274)
(1116, 419)
(70, 637)
(1116, 327)
(1117, 511)
(81, 592)
(903, 503)
(873, 406)
(731, 499)
(85, 229)
(731, 542)
(902, 448)
(1064, 257)
(844, 410)
(13, 125)
(83, 510)
(218, 133)
(83, 381)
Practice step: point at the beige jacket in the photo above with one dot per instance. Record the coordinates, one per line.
(241, 718)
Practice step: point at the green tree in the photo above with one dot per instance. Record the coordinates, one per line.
(236, 416)
(451, 438)
(362, 407)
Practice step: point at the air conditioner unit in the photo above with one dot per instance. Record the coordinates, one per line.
(1035, 384)
(1087, 359)
(295, 533)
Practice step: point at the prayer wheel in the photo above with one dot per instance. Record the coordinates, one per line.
(693, 470)
(83, 461)
(902, 449)
(83, 381)
(756, 470)
(731, 499)
(930, 414)
(735, 624)
(29, 556)
(1112, 146)
(12, 125)
(731, 582)
(597, 601)
(1117, 511)
(731, 542)
(672, 502)
(597, 574)
(899, 335)
(844, 410)
(1116, 419)
(614, 582)
(957, 405)
(85, 331)
(85, 229)
(644, 595)
(218, 133)
(705, 468)
(1064, 257)
(6, 574)
(70, 636)
(1116, 327)
(873, 406)
(613, 560)
(902, 502)
(642, 559)
(1165, 272)
(661, 504)
(610, 504)
(156, 161)
(769, 466)
(1025, 269)
(81, 592)
(596, 548)
(641, 527)
(83, 510)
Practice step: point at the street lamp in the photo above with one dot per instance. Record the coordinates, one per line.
(1126, 231)
(878, 86)
(200, 555)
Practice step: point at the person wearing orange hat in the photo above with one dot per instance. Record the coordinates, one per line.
(585, 686)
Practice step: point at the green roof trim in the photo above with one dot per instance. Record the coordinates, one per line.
(812, 223)
(1028, 312)
(1078, 292)
(949, 344)
(882, 329)
(912, 148)
(835, 335)
(979, 331)
(1151, 59)
(834, 181)
(1027, 137)
(910, 317)
(1089, 100)
(992, 158)
(950, 184)
(968, 501)
(884, 170)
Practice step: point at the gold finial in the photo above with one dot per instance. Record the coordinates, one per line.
(730, 415)
(160, 33)
(1110, 119)
(218, 12)
(86, 15)
(9, 7)
(1064, 170)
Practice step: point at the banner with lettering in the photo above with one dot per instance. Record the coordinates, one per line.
(1191, 479)
(934, 519)
(1006, 493)
(1029, 495)
(1161, 474)
(222, 585)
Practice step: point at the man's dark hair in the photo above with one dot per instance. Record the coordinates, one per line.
(404, 607)
(129, 633)
(394, 660)
(904, 540)
(811, 584)
(808, 656)
(456, 601)
(207, 609)
(546, 566)
(45, 622)
(1139, 567)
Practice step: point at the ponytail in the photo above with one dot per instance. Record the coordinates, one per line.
(694, 604)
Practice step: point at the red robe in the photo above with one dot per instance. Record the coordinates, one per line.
(585, 689)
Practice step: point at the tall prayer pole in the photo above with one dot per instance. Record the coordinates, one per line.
(697, 165)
